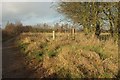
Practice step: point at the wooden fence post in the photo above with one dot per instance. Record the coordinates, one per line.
(73, 33)
(53, 35)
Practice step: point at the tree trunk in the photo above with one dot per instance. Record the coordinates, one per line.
(97, 32)
(111, 29)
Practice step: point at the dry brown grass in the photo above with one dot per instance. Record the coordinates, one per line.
(84, 57)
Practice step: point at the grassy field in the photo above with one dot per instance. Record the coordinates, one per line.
(84, 56)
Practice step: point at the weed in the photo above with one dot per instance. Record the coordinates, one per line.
(23, 46)
(42, 45)
(97, 49)
(106, 75)
(38, 55)
(52, 53)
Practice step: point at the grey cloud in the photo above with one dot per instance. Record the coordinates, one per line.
(12, 11)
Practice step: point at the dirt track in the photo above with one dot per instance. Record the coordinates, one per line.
(13, 62)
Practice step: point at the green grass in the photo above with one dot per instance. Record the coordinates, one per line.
(23, 46)
(106, 75)
(52, 53)
(37, 55)
(98, 49)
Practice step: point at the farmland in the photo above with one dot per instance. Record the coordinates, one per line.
(60, 40)
(65, 57)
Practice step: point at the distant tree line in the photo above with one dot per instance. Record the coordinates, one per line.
(12, 30)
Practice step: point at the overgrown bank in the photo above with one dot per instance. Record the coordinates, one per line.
(84, 57)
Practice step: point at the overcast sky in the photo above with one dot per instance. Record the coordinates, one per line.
(29, 12)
